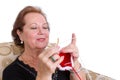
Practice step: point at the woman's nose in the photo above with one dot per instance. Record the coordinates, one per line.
(40, 31)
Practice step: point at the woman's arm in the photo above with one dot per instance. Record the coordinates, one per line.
(79, 74)
(41, 77)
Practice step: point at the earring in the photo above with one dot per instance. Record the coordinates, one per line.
(21, 42)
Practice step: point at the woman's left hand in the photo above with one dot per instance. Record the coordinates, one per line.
(72, 48)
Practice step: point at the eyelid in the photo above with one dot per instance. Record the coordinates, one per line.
(45, 25)
(35, 25)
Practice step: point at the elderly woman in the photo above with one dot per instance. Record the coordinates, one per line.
(31, 31)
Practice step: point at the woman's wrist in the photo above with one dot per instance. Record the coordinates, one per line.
(77, 70)
(77, 67)
(43, 77)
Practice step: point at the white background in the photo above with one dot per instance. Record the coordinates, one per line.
(95, 22)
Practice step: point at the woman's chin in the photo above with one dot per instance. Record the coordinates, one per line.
(42, 46)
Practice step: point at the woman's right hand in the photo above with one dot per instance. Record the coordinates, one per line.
(46, 65)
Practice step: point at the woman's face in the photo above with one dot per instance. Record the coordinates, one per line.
(35, 32)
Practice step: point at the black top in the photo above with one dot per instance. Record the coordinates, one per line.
(20, 71)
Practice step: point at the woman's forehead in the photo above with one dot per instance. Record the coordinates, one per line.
(34, 17)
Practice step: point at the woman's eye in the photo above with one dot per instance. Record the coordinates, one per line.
(45, 27)
(34, 27)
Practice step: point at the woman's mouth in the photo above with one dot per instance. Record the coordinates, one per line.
(41, 39)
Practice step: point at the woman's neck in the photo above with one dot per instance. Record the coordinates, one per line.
(30, 58)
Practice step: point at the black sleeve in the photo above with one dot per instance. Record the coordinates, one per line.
(18, 71)
(15, 72)
(11, 74)
(63, 75)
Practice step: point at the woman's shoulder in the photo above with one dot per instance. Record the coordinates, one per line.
(12, 66)
(18, 71)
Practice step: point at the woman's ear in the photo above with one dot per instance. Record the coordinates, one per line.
(19, 33)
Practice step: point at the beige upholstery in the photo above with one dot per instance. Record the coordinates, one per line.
(9, 52)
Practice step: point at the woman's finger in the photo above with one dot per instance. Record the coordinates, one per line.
(51, 51)
(54, 57)
(73, 41)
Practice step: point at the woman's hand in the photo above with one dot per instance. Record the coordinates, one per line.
(47, 65)
(72, 48)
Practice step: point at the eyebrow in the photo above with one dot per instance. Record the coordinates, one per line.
(37, 24)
